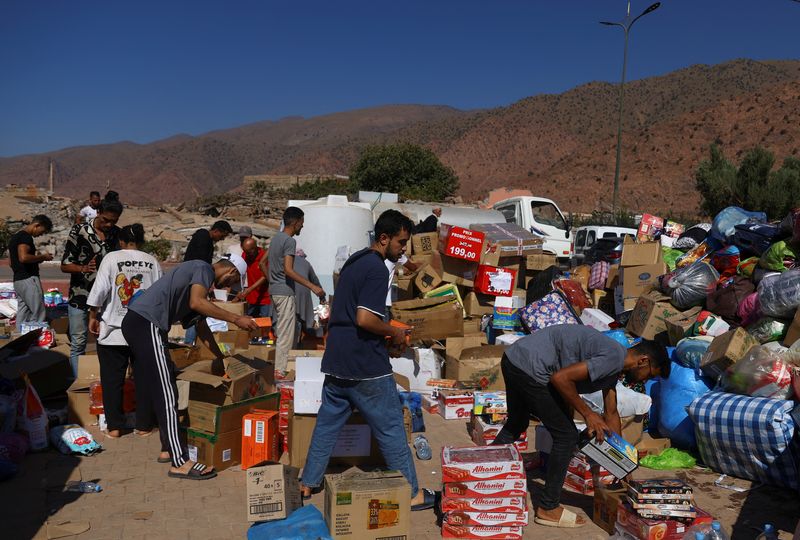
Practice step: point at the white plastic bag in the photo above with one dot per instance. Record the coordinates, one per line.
(629, 402)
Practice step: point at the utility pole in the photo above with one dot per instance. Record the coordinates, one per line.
(50, 183)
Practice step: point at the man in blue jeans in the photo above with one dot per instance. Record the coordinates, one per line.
(356, 362)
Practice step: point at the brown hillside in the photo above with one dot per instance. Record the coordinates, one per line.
(557, 145)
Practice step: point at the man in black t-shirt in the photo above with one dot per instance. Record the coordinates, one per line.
(201, 246)
(358, 374)
(25, 265)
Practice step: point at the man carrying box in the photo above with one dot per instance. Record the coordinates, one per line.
(356, 362)
(544, 374)
(181, 295)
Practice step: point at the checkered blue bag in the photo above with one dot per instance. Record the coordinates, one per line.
(748, 437)
(549, 310)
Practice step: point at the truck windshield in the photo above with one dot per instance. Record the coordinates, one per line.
(545, 213)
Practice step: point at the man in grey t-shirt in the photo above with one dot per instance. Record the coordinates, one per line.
(282, 278)
(544, 375)
(180, 296)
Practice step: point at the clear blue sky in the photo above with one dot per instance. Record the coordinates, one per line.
(87, 72)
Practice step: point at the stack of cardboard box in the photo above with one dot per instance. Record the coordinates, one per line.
(489, 414)
(484, 492)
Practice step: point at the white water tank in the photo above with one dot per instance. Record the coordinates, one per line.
(331, 222)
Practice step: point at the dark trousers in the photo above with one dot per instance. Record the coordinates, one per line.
(114, 360)
(157, 372)
(526, 397)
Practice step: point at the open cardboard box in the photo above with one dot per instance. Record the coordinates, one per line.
(244, 378)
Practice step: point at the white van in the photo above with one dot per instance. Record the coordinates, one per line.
(585, 237)
(543, 217)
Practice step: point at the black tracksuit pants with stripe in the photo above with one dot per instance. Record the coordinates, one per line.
(149, 350)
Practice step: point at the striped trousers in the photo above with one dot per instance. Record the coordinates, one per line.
(157, 371)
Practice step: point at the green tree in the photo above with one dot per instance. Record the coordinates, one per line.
(753, 186)
(410, 170)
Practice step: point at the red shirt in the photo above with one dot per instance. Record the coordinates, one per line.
(259, 296)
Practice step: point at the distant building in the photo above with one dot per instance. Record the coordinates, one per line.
(289, 180)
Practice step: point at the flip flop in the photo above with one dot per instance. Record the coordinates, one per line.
(428, 502)
(568, 520)
(143, 434)
(314, 491)
(195, 473)
(164, 460)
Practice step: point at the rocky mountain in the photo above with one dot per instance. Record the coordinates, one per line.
(562, 146)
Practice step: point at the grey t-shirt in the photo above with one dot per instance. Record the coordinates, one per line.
(167, 300)
(281, 245)
(548, 350)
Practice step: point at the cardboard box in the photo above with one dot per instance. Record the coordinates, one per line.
(405, 285)
(651, 529)
(649, 225)
(217, 419)
(495, 281)
(606, 503)
(643, 254)
(460, 243)
(678, 324)
(260, 438)
(455, 404)
(236, 308)
(423, 243)
(427, 279)
(455, 345)
(650, 315)
(432, 318)
(61, 327)
(726, 350)
(479, 366)
(506, 312)
(596, 319)
(501, 504)
(237, 339)
(48, 369)
(456, 271)
(485, 488)
(613, 276)
(419, 365)
(78, 398)
(219, 451)
(487, 519)
(793, 332)
(184, 356)
(637, 280)
(273, 492)
(244, 378)
(506, 240)
(540, 261)
(368, 505)
(308, 382)
(474, 463)
(649, 445)
(477, 305)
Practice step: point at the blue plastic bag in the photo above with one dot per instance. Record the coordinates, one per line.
(723, 227)
(305, 523)
(413, 402)
(675, 393)
(622, 338)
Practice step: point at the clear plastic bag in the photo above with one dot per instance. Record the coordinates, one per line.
(725, 222)
(690, 286)
(762, 372)
(768, 329)
(779, 296)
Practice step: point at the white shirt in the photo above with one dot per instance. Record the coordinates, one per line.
(121, 277)
(88, 213)
(392, 266)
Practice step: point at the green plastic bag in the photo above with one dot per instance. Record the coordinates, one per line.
(671, 458)
(671, 256)
(779, 257)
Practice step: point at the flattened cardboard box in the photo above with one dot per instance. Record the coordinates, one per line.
(432, 318)
(650, 315)
(368, 505)
(273, 492)
(479, 366)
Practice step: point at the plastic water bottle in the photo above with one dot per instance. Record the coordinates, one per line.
(84, 487)
(700, 536)
(769, 533)
(423, 448)
(717, 532)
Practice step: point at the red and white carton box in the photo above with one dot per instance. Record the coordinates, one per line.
(460, 243)
(488, 504)
(472, 463)
(495, 281)
(455, 404)
(430, 404)
(477, 532)
(488, 519)
(580, 467)
(486, 488)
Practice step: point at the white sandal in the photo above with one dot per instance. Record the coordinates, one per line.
(568, 520)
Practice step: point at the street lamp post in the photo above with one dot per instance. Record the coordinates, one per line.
(626, 25)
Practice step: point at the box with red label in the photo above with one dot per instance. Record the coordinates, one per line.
(460, 243)
(485, 533)
(471, 463)
(488, 519)
(495, 281)
(580, 466)
(488, 504)
(455, 404)
(655, 529)
(484, 434)
(584, 486)
(486, 488)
